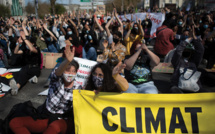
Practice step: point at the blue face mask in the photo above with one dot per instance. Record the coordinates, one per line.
(87, 31)
(69, 32)
(205, 26)
(123, 26)
(136, 28)
(89, 37)
(58, 29)
(180, 23)
(18, 44)
(200, 21)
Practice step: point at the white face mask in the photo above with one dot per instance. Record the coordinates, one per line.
(69, 77)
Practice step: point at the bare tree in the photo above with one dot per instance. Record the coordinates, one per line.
(52, 2)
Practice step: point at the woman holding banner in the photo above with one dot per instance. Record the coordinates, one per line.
(55, 115)
(102, 79)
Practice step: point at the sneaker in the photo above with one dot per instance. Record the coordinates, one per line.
(46, 85)
(14, 87)
(33, 80)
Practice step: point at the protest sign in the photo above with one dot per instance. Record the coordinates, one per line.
(85, 67)
(156, 18)
(116, 113)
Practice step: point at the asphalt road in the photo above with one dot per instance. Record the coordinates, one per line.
(30, 91)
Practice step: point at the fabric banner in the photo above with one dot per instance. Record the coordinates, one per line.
(84, 70)
(116, 113)
(156, 18)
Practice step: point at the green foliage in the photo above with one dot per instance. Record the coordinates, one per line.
(5, 11)
(59, 9)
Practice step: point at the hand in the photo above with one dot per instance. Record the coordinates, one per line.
(105, 44)
(44, 26)
(144, 47)
(68, 53)
(118, 68)
(113, 46)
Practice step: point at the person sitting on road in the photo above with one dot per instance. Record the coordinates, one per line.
(55, 114)
(102, 79)
(138, 69)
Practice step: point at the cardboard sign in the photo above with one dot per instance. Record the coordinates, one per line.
(163, 68)
(101, 8)
(50, 59)
(124, 113)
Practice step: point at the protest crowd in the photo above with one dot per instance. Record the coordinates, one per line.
(185, 39)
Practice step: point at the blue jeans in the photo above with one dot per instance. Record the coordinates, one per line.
(1, 64)
(90, 55)
(148, 88)
(52, 48)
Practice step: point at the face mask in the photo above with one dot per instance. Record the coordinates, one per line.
(69, 32)
(2, 29)
(61, 33)
(97, 81)
(87, 31)
(205, 26)
(200, 21)
(180, 23)
(115, 40)
(69, 77)
(123, 26)
(89, 37)
(136, 28)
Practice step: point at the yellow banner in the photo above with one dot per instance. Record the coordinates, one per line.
(115, 113)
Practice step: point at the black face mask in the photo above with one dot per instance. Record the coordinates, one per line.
(115, 40)
(186, 54)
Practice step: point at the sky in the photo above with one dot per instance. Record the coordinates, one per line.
(58, 1)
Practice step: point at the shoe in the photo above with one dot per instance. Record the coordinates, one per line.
(14, 87)
(33, 80)
(46, 85)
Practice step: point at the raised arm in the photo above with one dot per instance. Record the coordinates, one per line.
(97, 23)
(75, 27)
(28, 43)
(69, 57)
(122, 82)
(48, 31)
(119, 21)
(107, 26)
(140, 27)
(129, 31)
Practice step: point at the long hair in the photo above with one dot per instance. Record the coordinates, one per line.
(134, 45)
(108, 81)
